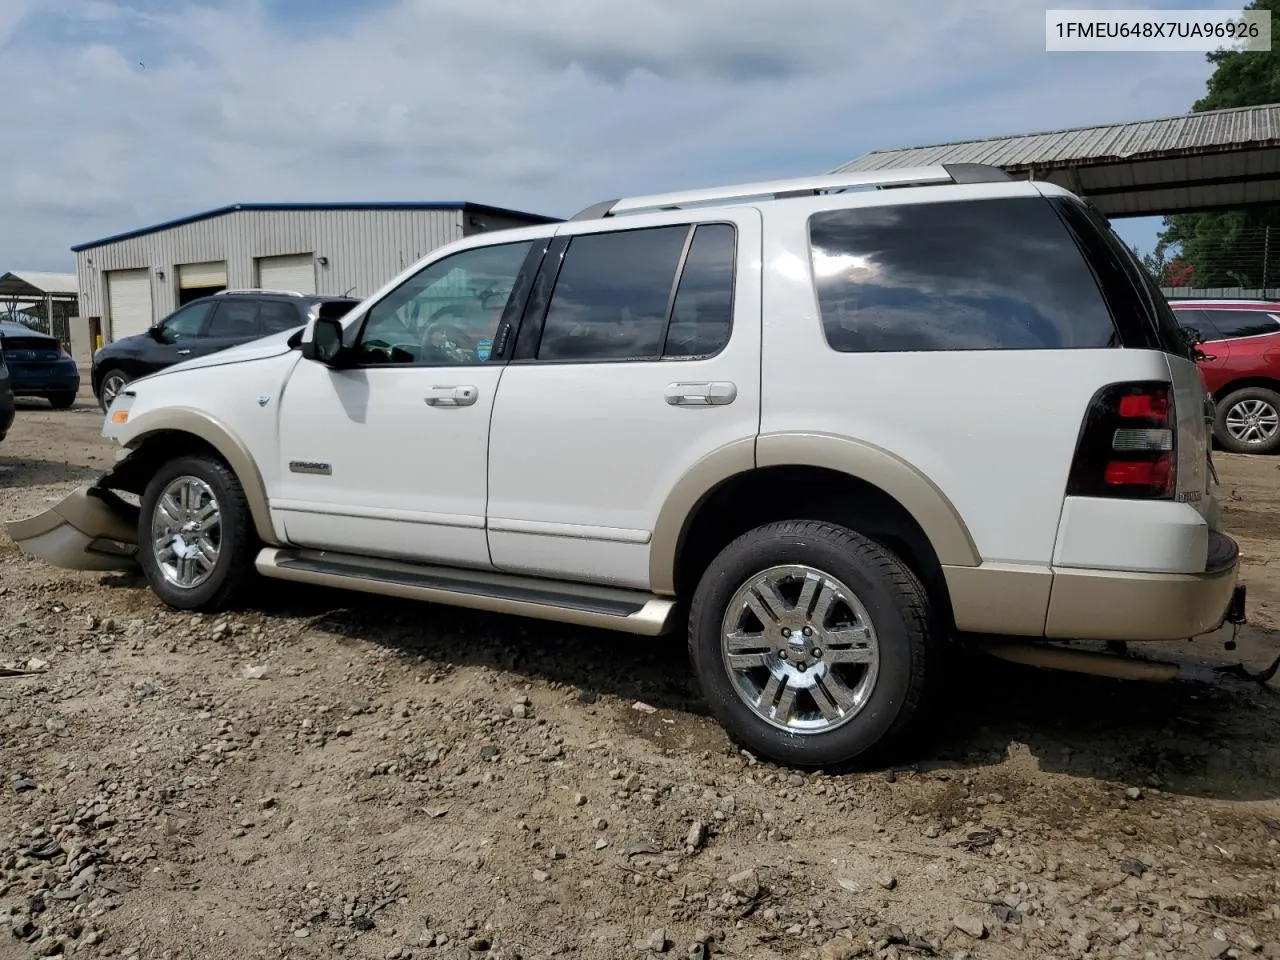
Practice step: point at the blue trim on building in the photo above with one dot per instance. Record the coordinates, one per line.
(480, 208)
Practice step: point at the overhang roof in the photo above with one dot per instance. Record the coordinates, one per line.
(1214, 160)
(36, 284)
(480, 208)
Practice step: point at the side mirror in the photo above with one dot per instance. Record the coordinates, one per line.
(325, 343)
(156, 333)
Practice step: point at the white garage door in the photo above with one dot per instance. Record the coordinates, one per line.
(128, 302)
(199, 276)
(296, 273)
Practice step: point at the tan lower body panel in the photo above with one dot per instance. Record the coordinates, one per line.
(1069, 604)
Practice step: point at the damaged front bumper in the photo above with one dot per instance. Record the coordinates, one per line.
(92, 529)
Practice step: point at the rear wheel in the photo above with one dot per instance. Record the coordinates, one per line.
(113, 381)
(1248, 421)
(813, 645)
(62, 401)
(196, 541)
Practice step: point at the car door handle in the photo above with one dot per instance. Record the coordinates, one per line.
(707, 394)
(183, 353)
(450, 396)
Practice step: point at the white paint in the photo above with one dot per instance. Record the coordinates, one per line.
(128, 302)
(295, 272)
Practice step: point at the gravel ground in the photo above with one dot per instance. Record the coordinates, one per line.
(332, 774)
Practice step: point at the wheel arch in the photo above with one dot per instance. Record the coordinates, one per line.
(157, 437)
(857, 482)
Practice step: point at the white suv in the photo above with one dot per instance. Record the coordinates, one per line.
(836, 421)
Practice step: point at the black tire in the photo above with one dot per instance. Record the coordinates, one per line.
(1262, 399)
(233, 574)
(899, 611)
(102, 384)
(62, 401)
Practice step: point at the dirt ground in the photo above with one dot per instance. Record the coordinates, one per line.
(335, 775)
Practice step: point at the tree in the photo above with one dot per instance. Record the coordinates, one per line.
(1233, 248)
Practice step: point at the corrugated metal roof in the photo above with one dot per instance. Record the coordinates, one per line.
(532, 218)
(35, 282)
(1185, 135)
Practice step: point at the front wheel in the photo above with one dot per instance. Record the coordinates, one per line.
(1248, 421)
(196, 541)
(813, 644)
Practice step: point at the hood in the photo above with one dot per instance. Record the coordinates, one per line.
(263, 349)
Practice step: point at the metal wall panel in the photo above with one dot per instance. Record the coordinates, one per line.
(363, 249)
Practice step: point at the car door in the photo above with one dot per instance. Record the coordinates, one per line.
(638, 356)
(386, 457)
(176, 338)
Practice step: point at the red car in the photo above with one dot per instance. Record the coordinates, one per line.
(1241, 368)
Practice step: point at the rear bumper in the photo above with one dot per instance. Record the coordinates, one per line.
(43, 386)
(1066, 603)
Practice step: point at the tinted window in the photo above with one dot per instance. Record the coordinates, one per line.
(702, 314)
(1242, 323)
(187, 322)
(967, 275)
(235, 319)
(275, 316)
(1198, 320)
(448, 312)
(611, 297)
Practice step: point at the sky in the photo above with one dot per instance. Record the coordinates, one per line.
(124, 113)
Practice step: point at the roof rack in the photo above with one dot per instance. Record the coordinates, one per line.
(279, 293)
(803, 187)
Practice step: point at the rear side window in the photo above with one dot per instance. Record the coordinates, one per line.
(967, 275)
(234, 318)
(642, 295)
(1242, 323)
(277, 317)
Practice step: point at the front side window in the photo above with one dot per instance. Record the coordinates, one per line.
(187, 322)
(648, 294)
(1243, 323)
(447, 313)
(1000, 274)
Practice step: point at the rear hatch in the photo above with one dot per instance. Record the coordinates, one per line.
(29, 350)
(1147, 321)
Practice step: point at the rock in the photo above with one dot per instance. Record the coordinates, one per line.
(1134, 793)
(478, 944)
(839, 949)
(746, 884)
(554, 752)
(1133, 867)
(697, 835)
(21, 784)
(541, 876)
(1213, 948)
(796, 780)
(489, 752)
(632, 783)
(657, 941)
(520, 711)
(601, 823)
(302, 933)
(601, 843)
(887, 880)
(972, 926)
(1250, 942)
(579, 799)
(932, 831)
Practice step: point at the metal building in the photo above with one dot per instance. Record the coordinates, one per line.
(128, 281)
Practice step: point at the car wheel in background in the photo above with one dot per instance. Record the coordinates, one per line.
(62, 401)
(1248, 421)
(113, 381)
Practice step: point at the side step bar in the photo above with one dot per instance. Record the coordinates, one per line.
(609, 608)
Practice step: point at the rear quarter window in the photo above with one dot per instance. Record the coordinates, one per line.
(1234, 324)
(1001, 274)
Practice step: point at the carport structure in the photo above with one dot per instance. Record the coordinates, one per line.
(1216, 160)
(50, 300)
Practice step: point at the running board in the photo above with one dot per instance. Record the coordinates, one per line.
(609, 608)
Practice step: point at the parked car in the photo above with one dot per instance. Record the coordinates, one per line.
(835, 428)
(1240, 362)
(198, 329)
(6, 398)
(38, 365)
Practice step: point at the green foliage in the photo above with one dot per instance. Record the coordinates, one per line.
(1233, 248)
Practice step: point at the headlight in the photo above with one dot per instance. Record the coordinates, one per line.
(117, 416)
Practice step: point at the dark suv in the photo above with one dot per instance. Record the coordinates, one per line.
(203, 326)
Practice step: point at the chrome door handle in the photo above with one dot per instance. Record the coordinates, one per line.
(450, 396)
(183, 353)
(708, 394)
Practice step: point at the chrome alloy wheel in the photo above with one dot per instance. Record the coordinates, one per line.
(1252, 421)
(800, 649)
(186, 532)
(111, 388)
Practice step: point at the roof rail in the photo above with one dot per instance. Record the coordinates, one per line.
(279, 293)
(805, 186)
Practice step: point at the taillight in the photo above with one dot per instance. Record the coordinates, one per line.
(1128, 444)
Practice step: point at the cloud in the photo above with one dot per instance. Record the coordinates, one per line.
(133, 111)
